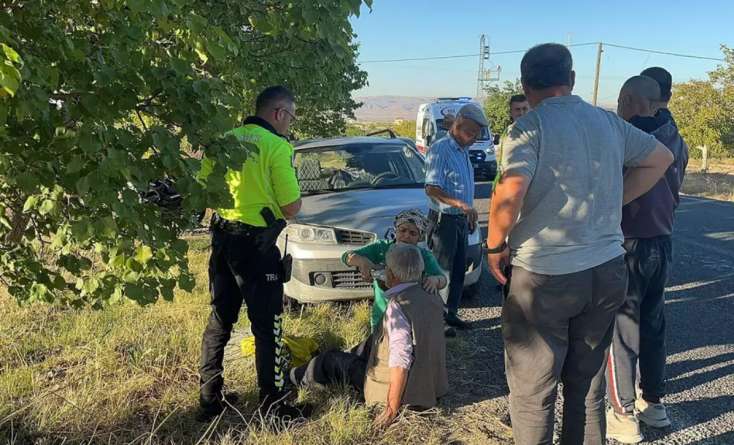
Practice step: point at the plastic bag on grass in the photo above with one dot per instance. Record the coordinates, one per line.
(300, 349)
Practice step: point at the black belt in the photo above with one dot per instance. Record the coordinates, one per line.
(234, 227)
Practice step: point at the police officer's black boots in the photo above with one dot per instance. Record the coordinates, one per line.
(280, 408)
(211, 407)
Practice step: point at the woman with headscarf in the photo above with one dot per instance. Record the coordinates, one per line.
(410, 228)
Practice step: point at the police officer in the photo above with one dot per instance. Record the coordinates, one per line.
(241, 267)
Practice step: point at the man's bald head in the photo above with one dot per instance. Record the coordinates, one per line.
(638, 97)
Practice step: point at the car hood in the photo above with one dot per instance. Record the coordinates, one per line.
(372, 210)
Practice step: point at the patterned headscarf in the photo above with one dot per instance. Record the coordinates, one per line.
(414, 216)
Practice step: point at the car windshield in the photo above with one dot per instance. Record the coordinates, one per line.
(355, 166)
(441, 131)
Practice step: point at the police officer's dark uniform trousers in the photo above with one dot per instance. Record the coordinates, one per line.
(238, 270)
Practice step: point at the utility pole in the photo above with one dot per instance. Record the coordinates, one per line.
(483, 55)
(484, 76)
(599, 50)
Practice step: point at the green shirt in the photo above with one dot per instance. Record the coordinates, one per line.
(267, 178)
(376, 252)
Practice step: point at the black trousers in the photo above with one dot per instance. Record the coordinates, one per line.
(447, 239)
(333, 367)
(639, 332)
(237, 272)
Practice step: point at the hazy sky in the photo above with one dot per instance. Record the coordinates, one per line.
(426, 28)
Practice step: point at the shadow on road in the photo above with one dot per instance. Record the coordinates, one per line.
(476, 356)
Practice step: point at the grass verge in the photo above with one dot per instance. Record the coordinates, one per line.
(128, 374)
(715, 183)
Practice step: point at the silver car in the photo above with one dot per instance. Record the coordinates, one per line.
(352, 189)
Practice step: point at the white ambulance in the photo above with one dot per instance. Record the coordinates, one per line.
(434, 120)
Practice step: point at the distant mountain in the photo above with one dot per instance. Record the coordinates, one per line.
(388, 108)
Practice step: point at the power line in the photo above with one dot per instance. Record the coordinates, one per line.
(690, 56)
(458, 56)
(518, 51)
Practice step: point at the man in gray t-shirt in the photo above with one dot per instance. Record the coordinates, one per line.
(558, 204)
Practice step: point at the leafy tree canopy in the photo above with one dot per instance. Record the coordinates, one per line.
(497, 104)
(100, 97)
(704, 109)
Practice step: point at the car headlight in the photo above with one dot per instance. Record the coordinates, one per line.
(304, 233)
(489, 150)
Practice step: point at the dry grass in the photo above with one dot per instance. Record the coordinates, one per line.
(716, 183)
(128, 374)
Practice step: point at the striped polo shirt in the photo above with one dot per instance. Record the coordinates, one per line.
(449, 168)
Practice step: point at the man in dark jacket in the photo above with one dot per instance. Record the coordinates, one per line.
(647, 223)
(665, 82)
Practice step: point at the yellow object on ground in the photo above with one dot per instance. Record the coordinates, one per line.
(300, 349)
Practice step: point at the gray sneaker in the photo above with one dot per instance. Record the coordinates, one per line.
(623, 428)
(653, 414)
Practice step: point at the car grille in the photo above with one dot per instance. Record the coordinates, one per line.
(354, 237)
(349, 279)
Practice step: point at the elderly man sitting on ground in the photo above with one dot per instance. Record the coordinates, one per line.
(404, 361)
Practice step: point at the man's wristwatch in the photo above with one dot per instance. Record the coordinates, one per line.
(499, 249)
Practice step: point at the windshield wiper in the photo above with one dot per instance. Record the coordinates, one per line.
(318, 192)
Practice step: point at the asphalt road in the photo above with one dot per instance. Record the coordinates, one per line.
(700, 333)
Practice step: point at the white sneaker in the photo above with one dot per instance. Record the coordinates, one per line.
(623, 428)
(653, 414)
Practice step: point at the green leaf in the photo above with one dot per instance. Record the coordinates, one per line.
(261, 24)
(186, 282)
(11, 54)
(217, 51)
(143, 254)
(106, 227)
(9, 79)
(167, 289)
(138, 5)
(82, 185)
(134, 291)
(27, 181)
(201, 52)
(4, 221)
(30, 203)
(39, 292)
(89, 142)
(47, 206)
(75, 165)
(81, 230)
(90, 286)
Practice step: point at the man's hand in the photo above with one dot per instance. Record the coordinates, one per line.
(433, 284)
(386, 417)
(471, 215)
(439, 195)
(364, 265)
(497, 263)
(398, 380)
